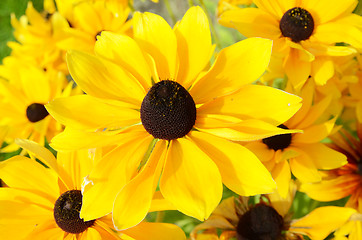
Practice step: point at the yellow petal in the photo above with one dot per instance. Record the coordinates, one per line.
(258, 102)
(240, 169)
(252, 22)
(271, 6)
(134, 200)
(282, 176)
(235, 66)
(332, 189)
(159, 203)
(190, 180)
(124, 51)
(101, 78)
(322, 221)
(248, 130)
(335, 9)
(110, 175)
(24, 173)
(333, 32)
(71, 139)
(155, 231)
(87, 112)
(35, 84)
(297, 70)
(194, 45)
(323, 156)
(47, 230)
(322, 70)
(156, 37)
(261, 150)
(315, 133)
(304, 169)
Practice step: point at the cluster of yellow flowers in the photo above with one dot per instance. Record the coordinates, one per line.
(142, 117)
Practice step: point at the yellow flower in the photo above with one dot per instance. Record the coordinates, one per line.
(151, 100)
(89, 18)
(346, 180)
(44, 203)
(301, 153)
(269, 219)
(304, 32)
(37, 35)
(24, 90)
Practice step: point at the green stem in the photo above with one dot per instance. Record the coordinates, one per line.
(160, 216)
(169, 9)
(212, 27)
(148, 153)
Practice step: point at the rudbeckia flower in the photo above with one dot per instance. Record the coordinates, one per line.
(37, 34)
(151, 99)
(89, 18)
(268, 219)
(44, 203)
(304, 32)
(24, 90)
(300, 153)
(346, 180)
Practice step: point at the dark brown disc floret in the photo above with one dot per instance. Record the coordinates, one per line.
(278, 142)
(168, 110)
(66, 212)
(36, 112)
(262, 222)
(297, 24)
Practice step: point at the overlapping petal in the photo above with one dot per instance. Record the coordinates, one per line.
(190, 179)
(235, 66)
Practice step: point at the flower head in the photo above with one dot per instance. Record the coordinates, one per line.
(154, 100)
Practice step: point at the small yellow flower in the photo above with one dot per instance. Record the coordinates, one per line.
(300, 153)
(44, 203)
(304, 33)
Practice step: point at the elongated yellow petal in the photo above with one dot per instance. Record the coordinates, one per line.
(156, 37)
(296, 69)
(335, 9)
(155, 231)
(252, 22)
(322, 221)
(324, 157)
(104, 79)
(304, 169)
(258, 102)
(235, 66)
(47, 230)
(134, 200)
(272, 7)
(110, 175)
(87, 112)
(194, 45)
(124, 51)
(24, 173)
(190, 180)
(240, 169)
(322, 70)
(282, 175)
(332, 189)
(248, 130)
(71, 139)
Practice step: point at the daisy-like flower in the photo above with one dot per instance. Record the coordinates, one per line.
(37, 34)
(304, 32)
(151, 100)
(44, 203)
(301, 153)
(89, 18)
(24, 90)
(346, 180)
(269, 219)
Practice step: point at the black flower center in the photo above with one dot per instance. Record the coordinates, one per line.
(297, 24)
(36, 112)
(168, 111)
(262, 222)
(277, 142)
(66, 212)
